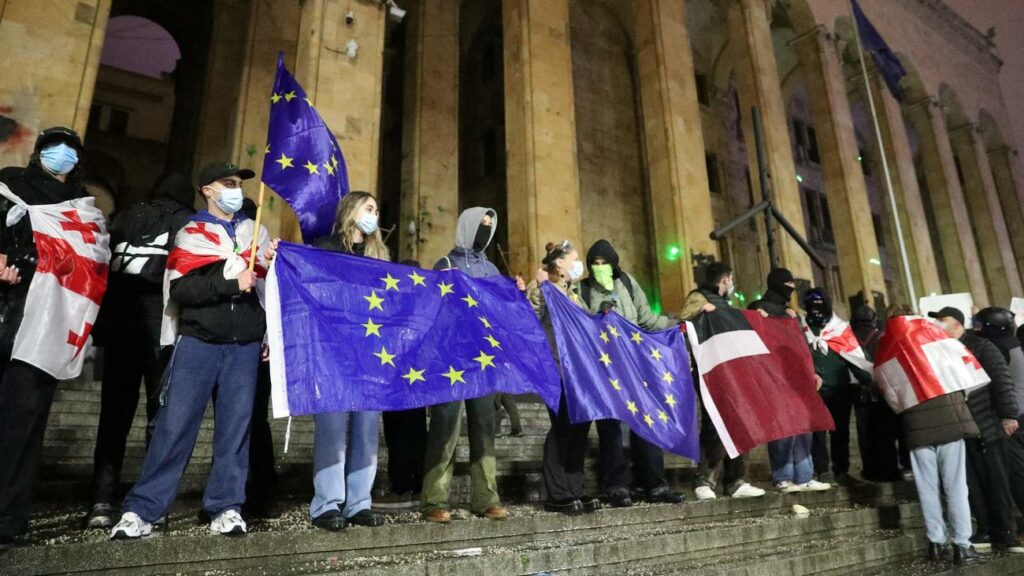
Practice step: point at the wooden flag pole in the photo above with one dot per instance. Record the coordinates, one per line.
(256, 227)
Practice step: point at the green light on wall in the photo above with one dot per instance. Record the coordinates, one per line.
(875, 261)
(656, 307)
(673, 253)
(800, 179)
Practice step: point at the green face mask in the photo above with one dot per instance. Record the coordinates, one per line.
(603, 275)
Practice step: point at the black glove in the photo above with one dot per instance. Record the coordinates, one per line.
(607, 306)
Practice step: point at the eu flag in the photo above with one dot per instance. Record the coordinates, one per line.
(303, 163)
(613, 369)
(888, 65)
(350, 333)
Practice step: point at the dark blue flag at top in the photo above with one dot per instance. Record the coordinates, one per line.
(351, 333)
(613, 369)
(886, 62)
(303, 163)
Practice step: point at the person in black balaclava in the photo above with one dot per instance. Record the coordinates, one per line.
(775, 302)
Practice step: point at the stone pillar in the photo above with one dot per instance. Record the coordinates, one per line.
(909, 205)
(759, 86)
(1001, 159)
(430, 163)
(540, 129)
(674, 143)
(986, 215)
(963, 265)
(845, 188)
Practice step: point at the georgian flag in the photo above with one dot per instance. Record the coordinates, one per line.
(917, 361)
(756, 378)
(200, 243)
(70, 279)
(838, 337)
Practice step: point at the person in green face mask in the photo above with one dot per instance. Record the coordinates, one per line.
(608, 288)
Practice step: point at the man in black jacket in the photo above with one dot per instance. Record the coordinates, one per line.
(994, 409)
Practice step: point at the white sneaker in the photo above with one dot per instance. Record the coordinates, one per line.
(229, 523)
(815, 486)
(131, 527)
(787, 487)
(747, 491)
(705, 493)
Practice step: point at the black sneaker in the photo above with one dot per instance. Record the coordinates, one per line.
(101, 515)
(366, 518)
(590, 504)
(567, 507)
(332, 520)
(664, 496)
(619, 498)
(938, 552)
(982, 541)
(966, 555)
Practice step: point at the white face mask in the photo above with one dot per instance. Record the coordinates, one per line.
(367, 223)
(577, 271)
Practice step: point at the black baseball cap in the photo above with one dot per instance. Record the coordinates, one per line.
(949, 312)
(58, 134)
(215, 171)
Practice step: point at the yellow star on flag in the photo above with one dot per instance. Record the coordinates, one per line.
(371, 328)
(670, 400)
(655, 353)
(649, 420)
(267, 149)
(668, 377)
(662, 416)
(615, 384)
(289, 96)
(334, 159)
(631, 406)
(308, 101)
(484, 360)
(385, 358)
(313, 168)
(413, 375)
(604, 336)
(275, 98)
(374, 301)
(285, 161)
(454, 375)
(614, 331)
(486, 322)
(469, 300)
(605, 359)
(446, 289)
(417, 280)
(494, 342)
(330, 168)
(390, 282)
(636, 337)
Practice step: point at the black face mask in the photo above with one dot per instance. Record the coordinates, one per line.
(817, 318)
(483, 238)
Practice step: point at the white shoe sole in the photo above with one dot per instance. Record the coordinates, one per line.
(235, 531)
(122, 535)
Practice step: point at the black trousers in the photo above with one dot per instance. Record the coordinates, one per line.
(1014, 460)
(26, 394)
(878, 433)
(647, 459)
(988, 488)
(261, 484)
(405, 433)
(564, 451)
(712, 452)
(836, 442)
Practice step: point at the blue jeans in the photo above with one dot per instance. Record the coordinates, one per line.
(344, 461)
(197, 369)
(791, 459)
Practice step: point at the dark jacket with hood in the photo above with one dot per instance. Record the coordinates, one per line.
(834, 370)
(776, 299)
(1013, 353)
(466, 256)
(997, 400)
(626, 294)
(938, 421)
(864, 324)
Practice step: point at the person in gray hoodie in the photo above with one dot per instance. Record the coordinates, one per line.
(473, 234)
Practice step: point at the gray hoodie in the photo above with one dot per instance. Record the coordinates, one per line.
(462, 256)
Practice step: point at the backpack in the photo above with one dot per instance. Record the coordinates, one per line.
(587, 287)
(141, 237)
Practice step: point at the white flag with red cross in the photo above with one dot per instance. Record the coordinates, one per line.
(68, 285)
(917, 361)
(838, 336)
(200, 243)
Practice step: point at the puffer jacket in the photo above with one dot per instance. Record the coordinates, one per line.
(996, 401)
(941, 420)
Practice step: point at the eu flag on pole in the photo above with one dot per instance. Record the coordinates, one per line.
(303, 163)
(613, 369)
(886, 62)
(352, 333)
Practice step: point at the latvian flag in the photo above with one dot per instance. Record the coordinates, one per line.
(917, 361)
(70, 279)
(756, 378)
(202, 242)
(838, 337)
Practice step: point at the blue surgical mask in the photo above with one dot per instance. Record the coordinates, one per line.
(59, 158)
(230, 200)
(367, 223)
(577, 271)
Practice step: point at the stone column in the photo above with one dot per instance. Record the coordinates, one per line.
(1001, 160)
(963, 265)
(759, 86)
(430, 163)
(845, 188)
(540, 129)
(986, 215)
(674, 143)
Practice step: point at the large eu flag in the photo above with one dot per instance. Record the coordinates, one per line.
(303, 163)
(888, 65)
(613, 369)
(350, 333)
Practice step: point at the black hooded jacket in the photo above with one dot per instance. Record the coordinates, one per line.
(996, 400)
(776, 299)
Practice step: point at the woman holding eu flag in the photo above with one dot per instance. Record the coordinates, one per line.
(566, 443)
(345, 443)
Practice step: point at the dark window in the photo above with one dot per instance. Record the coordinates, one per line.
(865, 166)
(95, 111)
(826, 222)
(488, 70)
(959, 170)
(714, 179)
(813, 214)
(703, 91)
(118, 124)
(489, 164)
(812, 146)
(876, 220)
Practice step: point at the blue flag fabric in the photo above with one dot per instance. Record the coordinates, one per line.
(886, 62)
(351, 333)
(613, 369)
(303, 163)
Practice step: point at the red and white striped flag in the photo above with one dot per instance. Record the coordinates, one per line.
(838, 337)
(917, 361)
(66, 290)
(200, 243)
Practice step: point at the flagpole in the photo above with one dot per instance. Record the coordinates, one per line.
(885, 168)
(256, 227)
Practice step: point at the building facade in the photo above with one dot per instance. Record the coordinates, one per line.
(629, 120)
